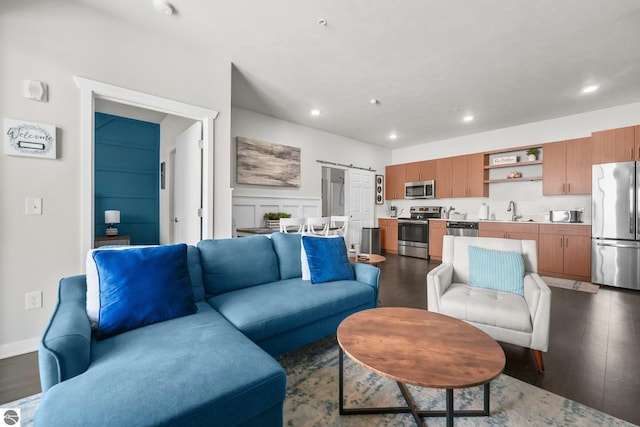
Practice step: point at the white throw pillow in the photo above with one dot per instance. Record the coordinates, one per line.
(93, 282)
(304, 263)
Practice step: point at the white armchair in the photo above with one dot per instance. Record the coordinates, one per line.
(505, 316)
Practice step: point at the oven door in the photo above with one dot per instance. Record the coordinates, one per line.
(413, 238)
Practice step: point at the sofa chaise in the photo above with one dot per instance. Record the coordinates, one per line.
(215, 367)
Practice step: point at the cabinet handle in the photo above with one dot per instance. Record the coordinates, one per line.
(561, 242)
(563, 187)
(569, 187)
(566, 242)
(631, 153)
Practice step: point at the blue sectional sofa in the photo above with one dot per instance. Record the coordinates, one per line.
(215, 367)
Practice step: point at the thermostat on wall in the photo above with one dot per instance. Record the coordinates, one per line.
(35, 90)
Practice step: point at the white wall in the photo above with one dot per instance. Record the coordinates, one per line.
(527, 195)
(52, 42)
(314, 145)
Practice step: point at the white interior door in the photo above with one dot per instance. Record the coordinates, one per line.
(361, 203)
(187, 187)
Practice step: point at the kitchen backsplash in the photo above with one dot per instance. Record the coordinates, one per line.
(530, 203)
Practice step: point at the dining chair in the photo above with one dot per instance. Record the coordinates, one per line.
(339, 226)
(318, 225)
(292, 225)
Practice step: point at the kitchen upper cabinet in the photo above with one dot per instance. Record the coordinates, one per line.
(565, 251)
(444, 178)
(437, 231)
(566, 167)
(468, 176)
(616, 145)
(395, 179)
(509, 230)
(421, 171)
(388, 234)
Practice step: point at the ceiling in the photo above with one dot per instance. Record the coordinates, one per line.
(428, 62)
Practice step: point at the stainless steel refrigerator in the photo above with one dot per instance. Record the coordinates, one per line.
(615, 229)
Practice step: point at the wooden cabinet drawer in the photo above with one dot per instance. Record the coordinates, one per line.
(566, 230)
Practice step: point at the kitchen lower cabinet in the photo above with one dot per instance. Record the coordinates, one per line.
(437, 230)
(509, 230)
(388, 234)
(565, 251)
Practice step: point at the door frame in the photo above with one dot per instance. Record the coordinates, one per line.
(90, 90)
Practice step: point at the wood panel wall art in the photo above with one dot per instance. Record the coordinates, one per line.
(264, 163)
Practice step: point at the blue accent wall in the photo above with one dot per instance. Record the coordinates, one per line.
(127, 176)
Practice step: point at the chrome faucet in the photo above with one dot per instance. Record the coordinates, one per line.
(512, 208)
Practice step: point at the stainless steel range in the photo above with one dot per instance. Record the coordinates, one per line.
(413, 232)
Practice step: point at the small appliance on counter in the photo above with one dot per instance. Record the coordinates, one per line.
(393, 211)
(565, 216)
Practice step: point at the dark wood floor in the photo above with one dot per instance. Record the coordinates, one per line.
(593, 357)
(594, 342)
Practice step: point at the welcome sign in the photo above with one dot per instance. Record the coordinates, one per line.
(23, 138)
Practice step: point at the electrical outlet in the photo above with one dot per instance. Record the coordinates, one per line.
(33, 300)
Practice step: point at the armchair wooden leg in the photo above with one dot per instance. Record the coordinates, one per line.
(537, 354)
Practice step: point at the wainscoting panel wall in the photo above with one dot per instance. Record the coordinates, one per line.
(248, 211)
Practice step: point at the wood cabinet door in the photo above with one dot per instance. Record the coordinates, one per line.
(395, 179)
(476, 175)
(444, 176)
(437, 230)
(550, 253)
(554, 168)
(492, 233)
(578, 158)
(577, 256)
(614, 145)
(388, 234)
(413, 172)
(459, 175)
(421, 171)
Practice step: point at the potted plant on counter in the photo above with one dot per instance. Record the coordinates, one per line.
(272, 219)
(532, 154)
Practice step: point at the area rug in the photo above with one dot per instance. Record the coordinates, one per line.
(312, 398)
(575, 285)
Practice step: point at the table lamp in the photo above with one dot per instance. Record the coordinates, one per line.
(110, 218)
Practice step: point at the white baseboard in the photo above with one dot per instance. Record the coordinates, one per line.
(19, 347)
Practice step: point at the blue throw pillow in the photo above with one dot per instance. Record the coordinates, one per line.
(327, 258)
(141, 286)
(497, 270)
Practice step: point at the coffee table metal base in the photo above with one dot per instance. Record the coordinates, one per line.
(411, 407)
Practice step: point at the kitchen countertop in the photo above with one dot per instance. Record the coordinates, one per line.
(506, 221)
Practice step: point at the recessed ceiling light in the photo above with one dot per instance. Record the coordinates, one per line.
(163, 7)
(468, 118)
(393, 136)
(315, 112)
(590, 88)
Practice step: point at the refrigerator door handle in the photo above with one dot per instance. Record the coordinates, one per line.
(615, 245)
(632, 207)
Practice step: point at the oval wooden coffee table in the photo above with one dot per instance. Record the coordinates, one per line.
(420, 348)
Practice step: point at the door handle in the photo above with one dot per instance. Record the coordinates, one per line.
(617, 245)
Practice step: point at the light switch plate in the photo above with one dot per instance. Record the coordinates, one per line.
(33, 206)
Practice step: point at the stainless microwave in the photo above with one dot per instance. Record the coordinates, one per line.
(420, 190)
